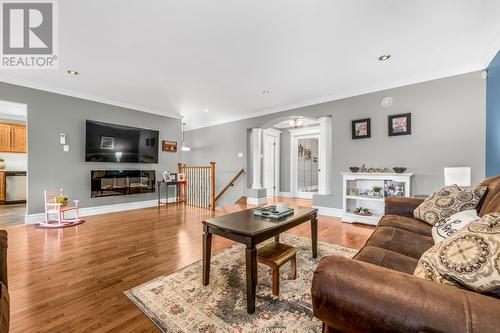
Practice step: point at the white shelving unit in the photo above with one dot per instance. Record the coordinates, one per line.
(355, 183)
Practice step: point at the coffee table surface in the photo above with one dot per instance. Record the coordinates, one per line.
(245, 223)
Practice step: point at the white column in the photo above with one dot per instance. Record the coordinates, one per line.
(325, 155)
(257, 138)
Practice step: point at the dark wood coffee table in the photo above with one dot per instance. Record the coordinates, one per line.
(245, 228)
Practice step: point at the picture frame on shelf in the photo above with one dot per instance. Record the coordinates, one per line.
(361, 128)
(169, 176)
(166, 176)
(399, 124)
(394, 188)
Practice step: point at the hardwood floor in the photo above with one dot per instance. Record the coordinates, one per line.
(12, 214)
(71, 280)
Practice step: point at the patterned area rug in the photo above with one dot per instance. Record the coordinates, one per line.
(55, 225)
(180, 303)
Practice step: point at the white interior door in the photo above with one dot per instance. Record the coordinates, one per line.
(269, 165)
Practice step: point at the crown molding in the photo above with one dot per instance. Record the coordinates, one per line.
(377, 88)
(89, 97)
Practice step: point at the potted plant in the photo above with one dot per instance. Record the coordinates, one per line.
(376, 190)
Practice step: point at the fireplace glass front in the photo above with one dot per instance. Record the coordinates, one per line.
(106, 183)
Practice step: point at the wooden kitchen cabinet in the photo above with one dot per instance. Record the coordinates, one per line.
(5, 137)
(18, 143)
(12, 138)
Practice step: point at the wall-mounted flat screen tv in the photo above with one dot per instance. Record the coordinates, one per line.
(123, 144)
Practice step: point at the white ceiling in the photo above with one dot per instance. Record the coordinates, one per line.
(181, 57)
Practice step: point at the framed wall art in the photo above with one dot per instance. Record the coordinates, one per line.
(400, 124)
(170, 146)
(361, 128)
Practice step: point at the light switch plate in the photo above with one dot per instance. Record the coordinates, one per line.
(240, 154)
(62, 138)
(66, 148)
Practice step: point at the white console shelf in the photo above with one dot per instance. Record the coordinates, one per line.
(358, 193)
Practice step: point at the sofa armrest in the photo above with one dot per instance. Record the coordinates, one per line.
(402, 206)
(355, 296)
(3, 257)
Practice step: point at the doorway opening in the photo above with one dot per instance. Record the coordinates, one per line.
(13, 162)
(304, 161)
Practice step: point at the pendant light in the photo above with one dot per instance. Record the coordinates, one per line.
(184, 147)
(296, 122)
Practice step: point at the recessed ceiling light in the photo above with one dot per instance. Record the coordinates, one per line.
(384, 57)
(206, 110)
(72, 72)
(265, 92)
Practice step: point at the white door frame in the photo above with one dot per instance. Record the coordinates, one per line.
(276, 135)
(295, 135)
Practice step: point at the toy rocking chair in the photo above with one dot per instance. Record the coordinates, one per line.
(56, 203)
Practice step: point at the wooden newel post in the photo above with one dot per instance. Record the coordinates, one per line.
(182, 194)
(212, 185)
(180, 167)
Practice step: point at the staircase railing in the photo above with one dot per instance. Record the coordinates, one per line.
(229, 184)
(200, 185)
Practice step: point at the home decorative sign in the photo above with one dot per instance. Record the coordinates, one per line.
(170, 146)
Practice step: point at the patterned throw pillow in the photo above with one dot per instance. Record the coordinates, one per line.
(452, 224)
(448, 201)
(470, 258)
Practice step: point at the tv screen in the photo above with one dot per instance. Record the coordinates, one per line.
(123, 144)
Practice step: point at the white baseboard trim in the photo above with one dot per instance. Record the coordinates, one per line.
(285, 194)
(256, 201)
(88, 211)
(329, 211)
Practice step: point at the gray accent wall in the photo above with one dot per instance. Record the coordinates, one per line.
(50, 168)
(448, 129)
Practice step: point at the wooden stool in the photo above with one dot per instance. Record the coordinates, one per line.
(275, 255)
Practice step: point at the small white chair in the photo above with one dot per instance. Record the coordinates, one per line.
(52, 206)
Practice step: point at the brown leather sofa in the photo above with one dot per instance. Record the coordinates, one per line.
(4, 296)
(376, 291)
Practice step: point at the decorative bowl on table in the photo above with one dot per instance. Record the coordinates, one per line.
(354, 169)
(399, 169)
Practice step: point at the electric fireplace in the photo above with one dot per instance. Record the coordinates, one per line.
(106, 183)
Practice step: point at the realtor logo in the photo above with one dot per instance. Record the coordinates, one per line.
(28, 35)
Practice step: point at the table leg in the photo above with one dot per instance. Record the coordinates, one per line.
(159, 195)
(277, 238)
(207, 251)
(314, 236)
(166, 195)
(251, 263)
(177, 194)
